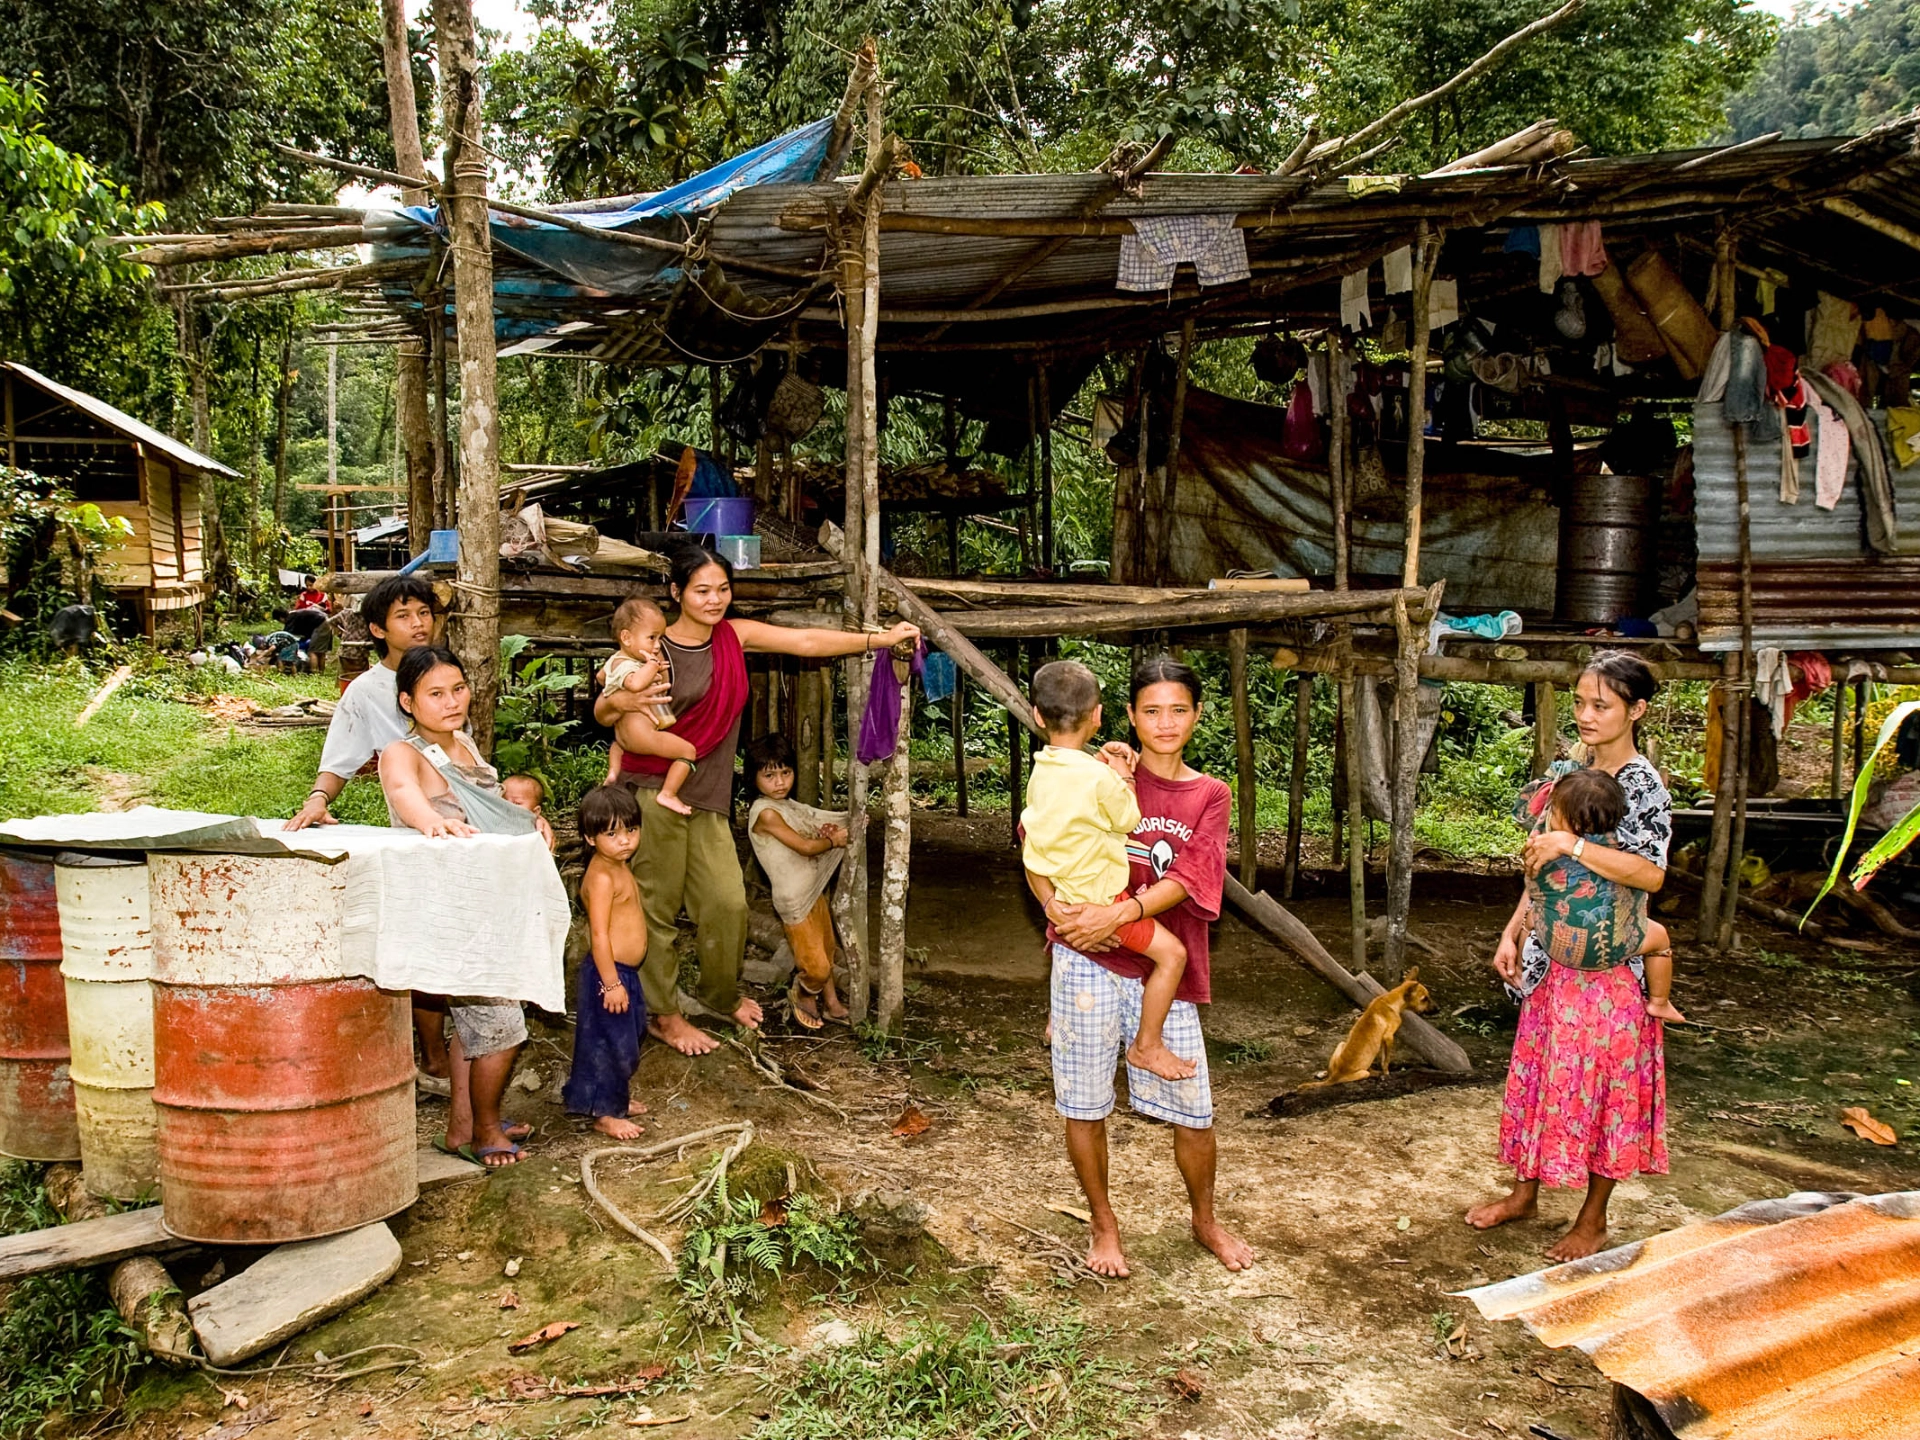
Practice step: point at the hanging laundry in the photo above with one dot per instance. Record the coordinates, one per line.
(1832, 451)
(880, 725)
(1355, 313)
(1582, 252)
(1393, 333)
(1212, 244)
(1870, 454)
(1736, 375)
(1361, 185)
(1550, 270)
(1903, 434)
(1811, 675)
(1843, 373)
(1880, 325)
(1772, 680)
(1443, 303)
(1522, 240)
(1833, 329)
(1398, 268)
(1766, 294)
(1317, 380)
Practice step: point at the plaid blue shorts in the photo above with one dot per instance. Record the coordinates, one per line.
(1095, 1016)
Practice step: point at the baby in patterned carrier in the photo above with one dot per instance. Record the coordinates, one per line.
(1585, 921)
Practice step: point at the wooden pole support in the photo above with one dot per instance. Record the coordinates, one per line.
(1546, 726)
(1246, 792)
(1297, 780)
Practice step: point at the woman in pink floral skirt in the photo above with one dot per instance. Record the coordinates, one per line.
(1586, 1100)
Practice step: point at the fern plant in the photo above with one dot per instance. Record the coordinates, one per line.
(738, 1246)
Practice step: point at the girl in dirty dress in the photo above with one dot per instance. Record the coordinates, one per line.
(436, 783)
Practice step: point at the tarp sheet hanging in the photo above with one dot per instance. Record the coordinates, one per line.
(1240, 505)
(629, 270)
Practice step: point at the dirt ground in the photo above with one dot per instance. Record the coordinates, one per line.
(1340, 1329)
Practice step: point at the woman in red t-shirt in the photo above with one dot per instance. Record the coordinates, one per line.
(1178, 860)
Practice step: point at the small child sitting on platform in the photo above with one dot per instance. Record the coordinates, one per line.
(612, 1010)
(1585, 921)
(638, 625)
(1080, 811)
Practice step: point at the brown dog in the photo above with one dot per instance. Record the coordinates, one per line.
(1373, 1033)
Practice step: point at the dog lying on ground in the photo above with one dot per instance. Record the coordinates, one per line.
(1374, 1032)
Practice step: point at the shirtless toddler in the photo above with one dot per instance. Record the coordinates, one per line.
(612, 1011)
(637, 626)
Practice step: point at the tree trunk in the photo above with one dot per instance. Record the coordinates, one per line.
(140, 1287)
(898, 806)
(285, 405)
(476, 612)
(410, 362)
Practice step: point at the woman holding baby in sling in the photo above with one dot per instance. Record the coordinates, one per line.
(1586, 1089)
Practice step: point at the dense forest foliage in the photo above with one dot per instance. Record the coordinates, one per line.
(1835, 72)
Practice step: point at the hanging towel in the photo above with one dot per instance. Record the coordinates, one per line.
(937, 675)
(1317, 380)
(880, 726)
(1831, 451)
(1550, 271)
(1772, 680)
(1870, 458)
(1582, 252)
(1443, 303)
(1766, 294)
(1903, 433)
(1398, 267)
(1523, 240)
(1355, 313)
(1215, 247)
(1833, 329)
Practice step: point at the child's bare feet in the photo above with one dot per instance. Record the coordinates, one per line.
(1048, 1037)
(638, 1107)
(1665, 1010)
(1159, 1060)
(1583, 1239)
(618, 1127)
(1518, 1204)
(672, 802)
(1104, 1256)
(748, 1013)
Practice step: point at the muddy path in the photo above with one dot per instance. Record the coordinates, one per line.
(1340, 1330)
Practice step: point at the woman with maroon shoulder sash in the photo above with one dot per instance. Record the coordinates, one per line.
(690, 861)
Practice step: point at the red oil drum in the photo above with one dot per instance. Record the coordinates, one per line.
(283, 1085)
(36, 1089)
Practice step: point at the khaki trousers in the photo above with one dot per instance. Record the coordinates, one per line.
(689, 861)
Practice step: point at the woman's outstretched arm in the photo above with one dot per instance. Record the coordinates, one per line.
(761, 637)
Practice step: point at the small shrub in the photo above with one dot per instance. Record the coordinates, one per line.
(739, 1245)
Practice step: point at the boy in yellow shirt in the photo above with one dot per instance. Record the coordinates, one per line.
(1080, 810)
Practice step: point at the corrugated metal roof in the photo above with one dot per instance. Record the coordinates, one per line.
(1792, 1319)
(116, 419)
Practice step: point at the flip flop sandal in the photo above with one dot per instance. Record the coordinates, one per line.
(480, 1155)
(440, 1144)
(804, 1019)
(517, 1129)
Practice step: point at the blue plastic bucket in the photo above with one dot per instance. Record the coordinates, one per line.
(719, 515)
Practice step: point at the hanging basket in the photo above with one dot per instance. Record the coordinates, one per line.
(795, 407)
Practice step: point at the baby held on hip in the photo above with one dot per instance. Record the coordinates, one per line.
(641, 664)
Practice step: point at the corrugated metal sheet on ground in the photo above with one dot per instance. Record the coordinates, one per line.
(1793, 1319)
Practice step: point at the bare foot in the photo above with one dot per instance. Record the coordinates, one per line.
(682, 1034)
(1230, 1250)
(494, 1157)
(1665, 1010)
(638, 1107)
(1579, 1242)
(1518, 1204)
(1047, 1038)
(748, 1013)
(619, 1127)
(836, 1007)
(672, 802)
(1159, 1060)
(1104, 1256)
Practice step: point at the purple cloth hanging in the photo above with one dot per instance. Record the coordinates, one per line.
(880, 725)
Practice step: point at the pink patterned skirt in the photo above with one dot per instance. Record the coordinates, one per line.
(1587, 1087)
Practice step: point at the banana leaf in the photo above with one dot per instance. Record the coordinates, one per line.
(1890, 844)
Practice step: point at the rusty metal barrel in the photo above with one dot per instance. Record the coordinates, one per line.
(106, 949)
(1606, 548)
(36, 1088)
(283, 1084)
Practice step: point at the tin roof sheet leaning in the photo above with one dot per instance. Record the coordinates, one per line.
(1790, 1319)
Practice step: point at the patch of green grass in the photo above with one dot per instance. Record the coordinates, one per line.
(63, 1347)
(1035, 1377)
(1247, 1052)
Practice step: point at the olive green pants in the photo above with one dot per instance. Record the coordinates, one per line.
(689, 861)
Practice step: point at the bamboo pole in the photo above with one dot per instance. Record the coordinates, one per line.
(1175, 425)
(1729, 904)
(1411, 639)
(1297, 780)
(410, 360)
(1347, 721)
(1046, 470)
(958, 718)
(475, 619)
(1245, 789)
(1203, 610)
(806, 780)
(1720, 837)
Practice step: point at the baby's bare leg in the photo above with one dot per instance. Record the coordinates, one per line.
(638, 735)
(1148, 1050)
(669, 791)
(1657, 955)
(614, 752)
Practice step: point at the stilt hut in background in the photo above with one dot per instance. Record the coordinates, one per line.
(131, 471)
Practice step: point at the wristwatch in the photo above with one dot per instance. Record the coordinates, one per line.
(1579, 847)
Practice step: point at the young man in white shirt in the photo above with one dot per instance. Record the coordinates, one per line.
(400, 612)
